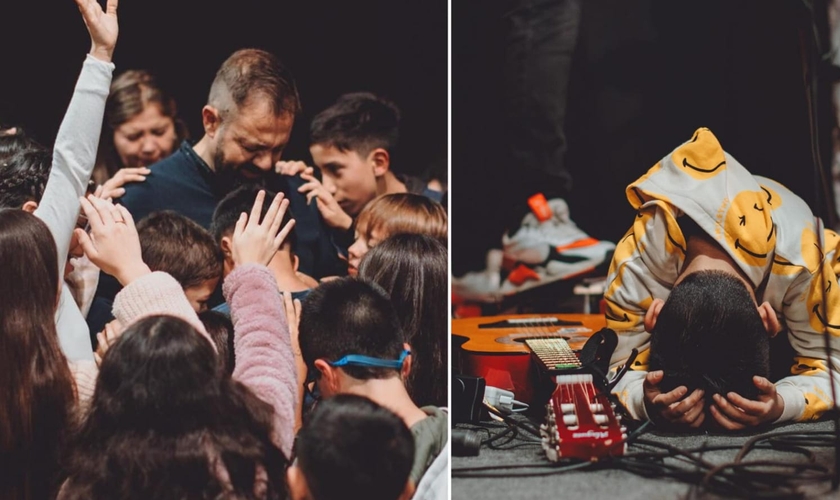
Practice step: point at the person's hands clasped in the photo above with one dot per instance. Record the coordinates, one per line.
(735, 412)
(673, 407)
(256, 241)
(102, 26)
(113, 244)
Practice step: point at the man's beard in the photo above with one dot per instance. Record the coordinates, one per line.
(229, 175)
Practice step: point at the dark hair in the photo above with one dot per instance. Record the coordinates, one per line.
(413, 269)
(709, 335)
(175, 244)
(131, 92)
(220, 328)
(359, 122)
(23, 177)
(240, 200)
(397, 213)
(353, 448)
(164, 423)
(252, 73)
(350, 316)
(37, 391)
(11, 143)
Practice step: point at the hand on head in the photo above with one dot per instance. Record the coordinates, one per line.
(673, 407)
(735, 412)
(256, 241)
(102, 26)
(113, 244)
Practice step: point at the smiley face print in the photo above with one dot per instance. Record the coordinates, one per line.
(748, 228)
(702, 157)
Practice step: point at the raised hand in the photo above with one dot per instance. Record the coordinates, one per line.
(102, 26)
(255, 241)
(673, 407)
(113, 244)
(735, 412)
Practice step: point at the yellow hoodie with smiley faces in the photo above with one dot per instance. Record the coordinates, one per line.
(768, 231)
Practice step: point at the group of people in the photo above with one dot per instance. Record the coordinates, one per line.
(200, 319)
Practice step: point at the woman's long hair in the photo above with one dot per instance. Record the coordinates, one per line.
(37, 393)
(412, 268)
(165, 424)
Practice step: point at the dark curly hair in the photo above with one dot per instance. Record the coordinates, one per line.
(164, 423)
(23, 176)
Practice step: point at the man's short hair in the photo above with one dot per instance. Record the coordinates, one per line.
(240, 200)
(709, 335)
(359, 122)
(350, 316)
(176, 245)
(353, 448)
(253, 73)
(23, 177)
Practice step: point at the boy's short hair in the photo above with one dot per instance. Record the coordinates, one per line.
(403, 213)
(360, 122)
(23, 176)
(240, 200)
(350, 316)
(709, 335)
(175, 244)
(353, 448)
(220, 328)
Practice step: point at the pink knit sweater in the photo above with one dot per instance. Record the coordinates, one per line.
(264, 359)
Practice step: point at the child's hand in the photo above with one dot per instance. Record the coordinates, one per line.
(113, 244)
(290, 168)
(106, 338)
(330, 210)
(255, 241)
(735, 412)
(673, 407)
(102, 27)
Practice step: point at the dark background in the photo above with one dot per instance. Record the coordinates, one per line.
(396, 49)
(645, 75)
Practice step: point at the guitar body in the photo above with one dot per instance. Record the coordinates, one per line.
(498, 353)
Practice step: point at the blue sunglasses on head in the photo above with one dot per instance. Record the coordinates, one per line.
(359, 360)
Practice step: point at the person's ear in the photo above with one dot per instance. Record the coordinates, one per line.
(653, 313)
(381, 161)
(408, 492)
(30, 206)
(330, 375)
(406, 367)
(295, 262)
(769, 318)
(298, 489)
(211, 119)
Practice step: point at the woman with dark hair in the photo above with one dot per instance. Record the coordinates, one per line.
(165, 423)
(37, 391)
(412, 268)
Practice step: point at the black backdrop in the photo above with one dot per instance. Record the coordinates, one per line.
(646, 74)
(397, 49)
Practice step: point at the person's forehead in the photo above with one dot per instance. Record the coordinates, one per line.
(258, 123)
(331, 154)
(150, 117)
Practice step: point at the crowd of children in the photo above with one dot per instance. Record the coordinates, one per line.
(179, 321)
